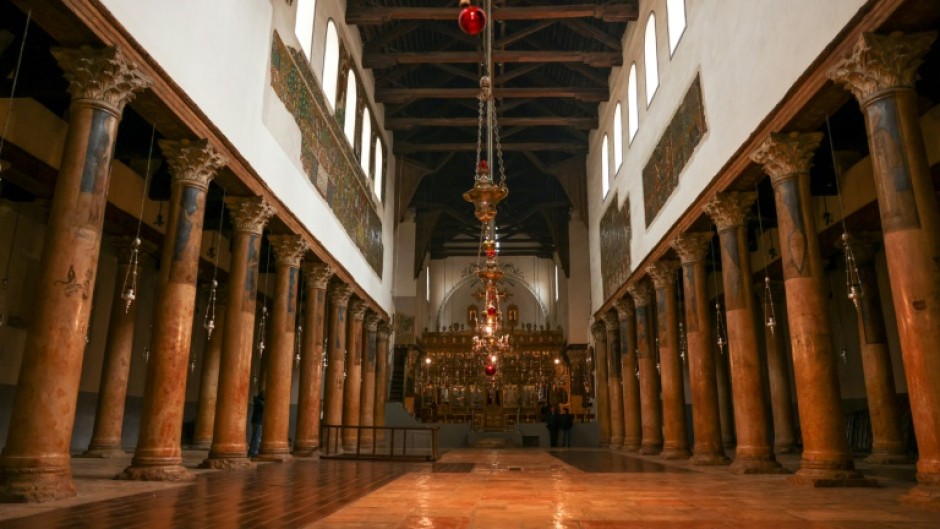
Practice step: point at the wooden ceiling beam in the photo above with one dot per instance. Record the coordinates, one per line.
(593, 32)
(597, 59)
(502, 42)
(540, 121)
(620, 12)
(403, 95)
(505, 77)
(412, 148)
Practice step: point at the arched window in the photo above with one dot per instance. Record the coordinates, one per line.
(675, 21)
(618, 138)
(349, 121)
(366, 142)
(330, 64)
(379, 168)
(649, 55)
(605, 169)
(633, 117)
(303, 25)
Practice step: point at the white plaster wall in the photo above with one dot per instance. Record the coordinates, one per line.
(748, 54)
(218, 52)
(578, 291)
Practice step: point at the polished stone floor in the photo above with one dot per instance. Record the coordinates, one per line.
(499, 489)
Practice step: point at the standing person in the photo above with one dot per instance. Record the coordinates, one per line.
(553, 422)
(257, 415)
(567, 422)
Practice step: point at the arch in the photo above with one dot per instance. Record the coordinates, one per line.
(651, 59)
(471, 278)
(675, 22)
(349, 120)
(366, 143)
(618, 138)
(633, 117)
(379, 157)
(303, 25)
(330, 64)
(605, 168)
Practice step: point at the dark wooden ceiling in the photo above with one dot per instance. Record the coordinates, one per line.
(553, 61)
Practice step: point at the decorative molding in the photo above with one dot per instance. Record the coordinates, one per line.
(102, 75)
(317, 275)
(882, 62)
(288, 249)
(383, 330)
(663, 273)
(783, 155)
(249, 214)
(693, 246)
(192, 162)
(728, 210)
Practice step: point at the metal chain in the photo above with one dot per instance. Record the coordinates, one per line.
(482, 98)
(499, 148)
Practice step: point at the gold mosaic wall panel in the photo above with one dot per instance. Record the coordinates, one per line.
(615, 246)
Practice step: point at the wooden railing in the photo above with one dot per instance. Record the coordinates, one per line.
(400, 443)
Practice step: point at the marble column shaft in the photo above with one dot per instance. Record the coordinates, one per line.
(707, 448)
(35, 465)
(288, 251)
(381, 376)
(881, 71)
(614, 384)
(309, 401)
(632, 429)
(753, 455)
(109, 413)
(663, 275)
(229, 446)
(209, 376)
(158, 456)
(367, 391)
(651, 412)
(336, 360)
(826, 459)
(353, 383)
(601, 389)
(778, 374)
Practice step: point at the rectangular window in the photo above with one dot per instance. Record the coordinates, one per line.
(556, 283)
(427, 283)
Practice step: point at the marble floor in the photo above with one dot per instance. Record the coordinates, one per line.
(499, 489)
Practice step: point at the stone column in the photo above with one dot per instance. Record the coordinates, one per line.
(663, 275)
(826, 458)
(109, 414)
(35, 465)
(209, 376)
(632, 429)
(880, 72)
(381, 376)
(367, 392)
(779, 377)
(888, 447)
(353, 383)
(754, 454)
(652, 422)
(158, 456)
(601, 393)
(725, 404)
(614, 383)
(700, 336)
(229, 446)
(336, 359)
(288, 251)
(309, 400)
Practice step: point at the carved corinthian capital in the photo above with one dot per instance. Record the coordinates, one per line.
(249, 214)
(357, 310)
(663, 273)
(318, 275)
(692, 246)
(102, 75)
(641, 293)
(728, 210)
(611, 322)
(624, 308)
(288, 249)
(371, 322)
(599, 330)
(192, 162)
(882, 62)
(340, 294)
(383, 330)
(785, 155)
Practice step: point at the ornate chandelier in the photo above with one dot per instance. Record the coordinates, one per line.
(485, 196)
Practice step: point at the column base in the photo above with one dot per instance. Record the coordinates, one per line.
(817, 477)
(888, 458)
(273, 457)
(616, 443)
(756, 465)
(924, 496)
(705, 460)
(631, 445)
(785, 449)
(103, 452)
(307, 453)
(671, 453)
(650, 450)
(227, 463)
(200, 445)
(170, 472)
(35, 484)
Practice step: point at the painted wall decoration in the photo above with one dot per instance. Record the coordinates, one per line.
(675, 147)
(615, 246)
(327, 159)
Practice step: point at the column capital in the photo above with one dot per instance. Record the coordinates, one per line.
(786, 154)
(318, 275)
(728, 210)
(249, 214)
(288, 249)
(383, 330)
(102, 75)
(864, 245)
(192, 162)
(882, 62)
(340, 293)
(624, 308)
(599, 331)
(611, 321)
(663, 273)
(124, 244)
(371, 321)
(357, 309)
(641, 293)
(692, 246)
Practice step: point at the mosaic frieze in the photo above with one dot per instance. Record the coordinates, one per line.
(615, 246)
(675, 147)
(327, 160)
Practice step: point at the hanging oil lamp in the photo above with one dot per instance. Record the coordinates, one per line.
(129, 290)
(853, 277)
(471, 19)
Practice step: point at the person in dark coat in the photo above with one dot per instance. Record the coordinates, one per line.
(567, 422)
(257, 418)
(553, 422)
